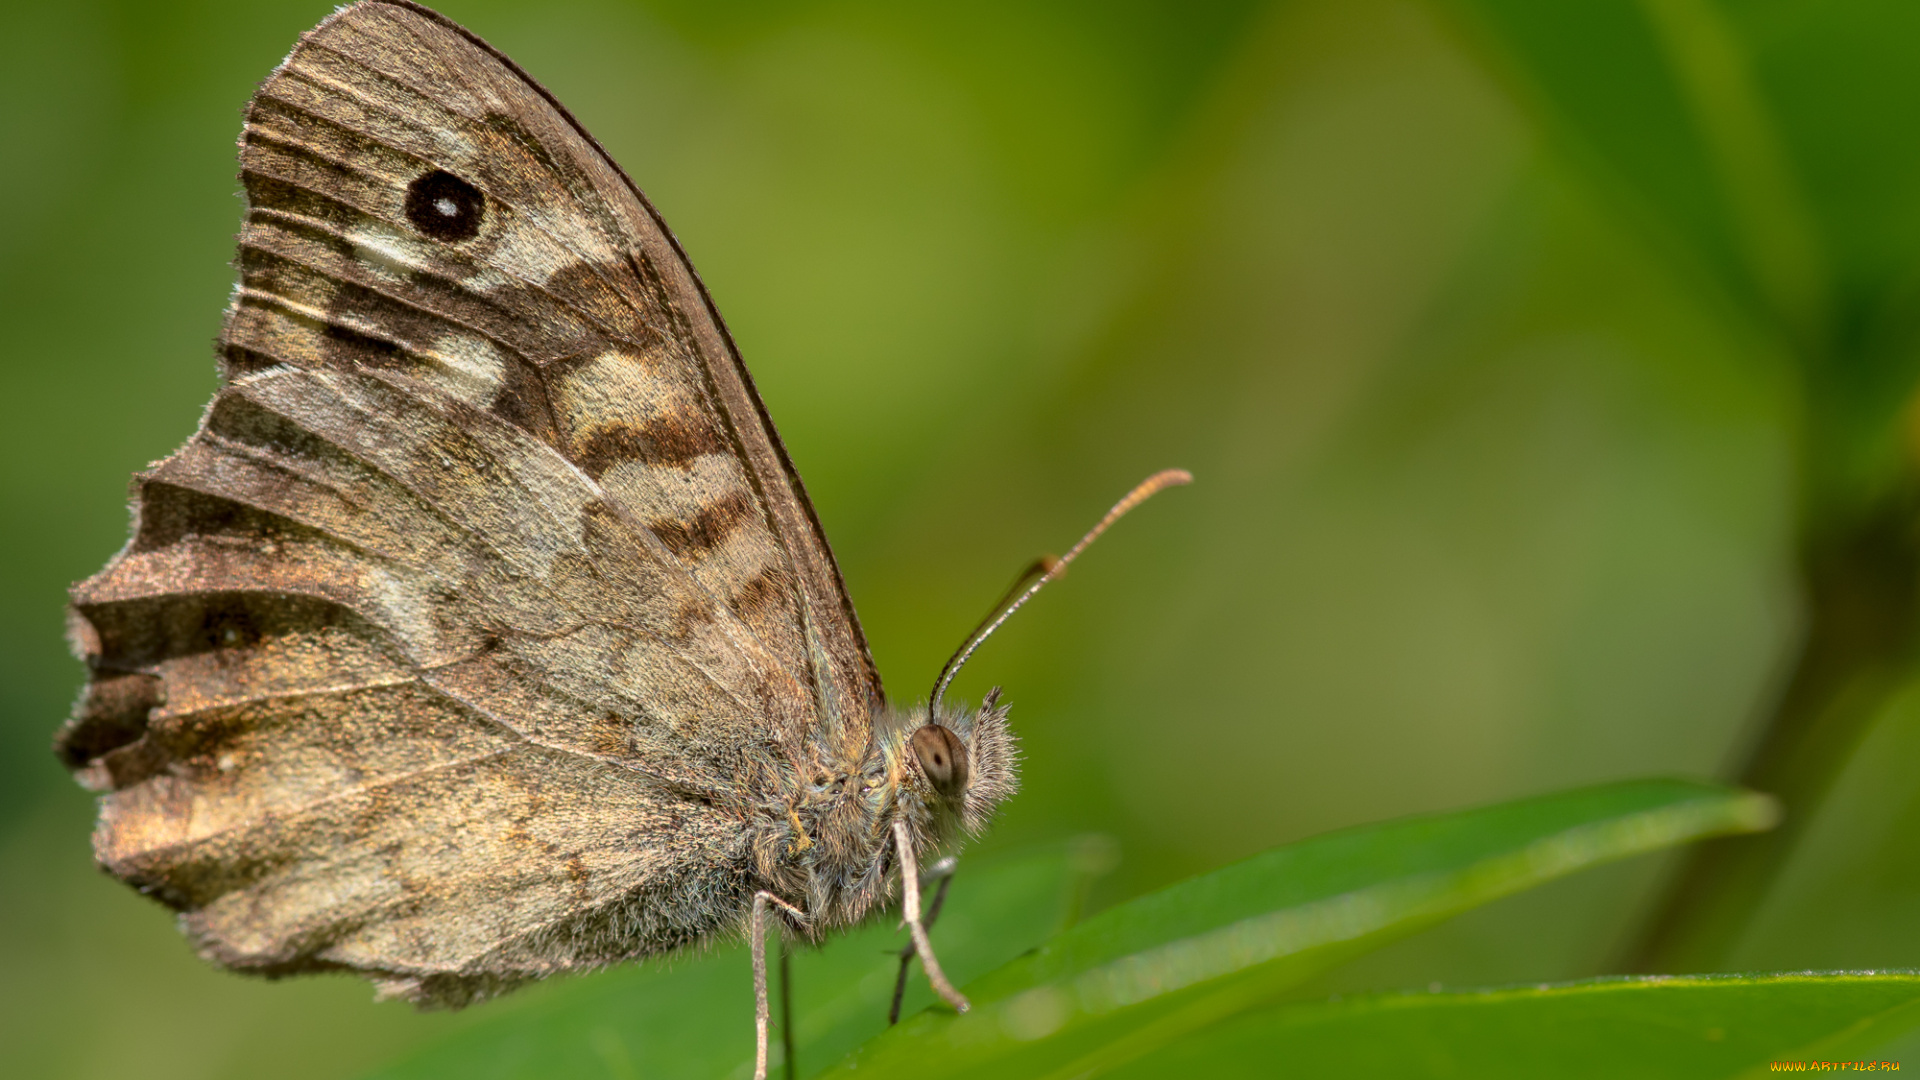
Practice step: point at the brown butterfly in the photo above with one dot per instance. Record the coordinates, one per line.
(484, 631)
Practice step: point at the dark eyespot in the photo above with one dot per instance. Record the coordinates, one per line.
(445, 207)
(943, 759)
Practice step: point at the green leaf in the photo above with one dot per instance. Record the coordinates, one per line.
(1142, 975)
(1695, 1027)
(693, 1016)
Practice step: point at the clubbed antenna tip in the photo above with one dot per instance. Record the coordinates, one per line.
(1044, 570)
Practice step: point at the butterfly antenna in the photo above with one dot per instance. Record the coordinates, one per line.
(1043, 570)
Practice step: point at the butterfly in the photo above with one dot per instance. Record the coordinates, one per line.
(484, 630)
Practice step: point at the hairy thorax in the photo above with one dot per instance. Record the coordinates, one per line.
(827, 846)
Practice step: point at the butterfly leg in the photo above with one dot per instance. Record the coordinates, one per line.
(910, 880)
(943, 871)
(758, 932)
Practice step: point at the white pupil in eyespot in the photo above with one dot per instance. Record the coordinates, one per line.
(447, 207)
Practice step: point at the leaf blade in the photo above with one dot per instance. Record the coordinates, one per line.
(1651, 1026)
(1144, 973)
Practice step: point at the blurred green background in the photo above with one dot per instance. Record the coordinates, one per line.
(1544, 368)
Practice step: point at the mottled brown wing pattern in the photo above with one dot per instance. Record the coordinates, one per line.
(570, 312)
(411, 697)
(454, 644)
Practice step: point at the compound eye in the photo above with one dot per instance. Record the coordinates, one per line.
(943, 758)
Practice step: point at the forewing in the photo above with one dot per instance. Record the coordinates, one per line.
(571, 311)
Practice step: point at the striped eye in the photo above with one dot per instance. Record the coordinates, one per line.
(943, 759)
(445, 207)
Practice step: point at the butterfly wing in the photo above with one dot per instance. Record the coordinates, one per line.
(571, 312)
(459, 643)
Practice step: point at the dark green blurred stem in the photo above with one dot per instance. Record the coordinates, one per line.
(1861, 614)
